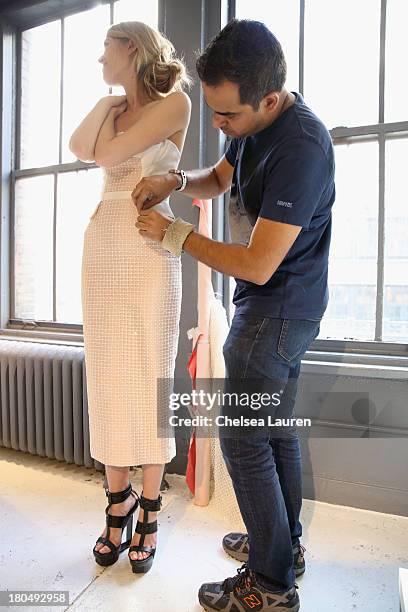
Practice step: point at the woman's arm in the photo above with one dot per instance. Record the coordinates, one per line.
(160, 121)
(83, 140)
(107, 131)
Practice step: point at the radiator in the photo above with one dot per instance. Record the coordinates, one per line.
(43, 405)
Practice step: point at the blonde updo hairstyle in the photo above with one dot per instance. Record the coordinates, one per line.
(157, 68)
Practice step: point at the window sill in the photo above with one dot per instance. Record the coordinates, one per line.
(349, 364)
(314, 362)
(45, 337)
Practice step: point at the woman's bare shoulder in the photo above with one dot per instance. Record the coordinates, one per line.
(177, 99)
(178, 104)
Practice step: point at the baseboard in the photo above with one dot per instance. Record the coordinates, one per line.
(356, 494)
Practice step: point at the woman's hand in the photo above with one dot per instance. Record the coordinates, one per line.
(118, 110)
(153, 224)
(151, 190)
(114, 100)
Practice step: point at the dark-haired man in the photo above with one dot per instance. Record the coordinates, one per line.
(280, 167)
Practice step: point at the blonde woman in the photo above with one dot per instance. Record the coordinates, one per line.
(131, 286)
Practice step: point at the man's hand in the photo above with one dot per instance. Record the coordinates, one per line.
(154, 189)
(152, 223)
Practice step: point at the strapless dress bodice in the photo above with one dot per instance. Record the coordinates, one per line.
(121, 179)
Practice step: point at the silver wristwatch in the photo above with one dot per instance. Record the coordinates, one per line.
(183, 177)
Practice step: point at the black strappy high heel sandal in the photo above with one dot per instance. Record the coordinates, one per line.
(149, 505)
(116, 521)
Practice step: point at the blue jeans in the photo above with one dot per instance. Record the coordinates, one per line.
(265, 470)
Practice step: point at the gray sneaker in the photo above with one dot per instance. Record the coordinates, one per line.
(243, 592)
(236, 545)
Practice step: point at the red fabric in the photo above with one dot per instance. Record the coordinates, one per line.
(191, 459)
(191, 464)
(198, 203)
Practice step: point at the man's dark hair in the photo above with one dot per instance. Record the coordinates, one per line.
(247, 53)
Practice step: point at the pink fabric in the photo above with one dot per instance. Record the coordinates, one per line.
(199, 366)
(191, 461)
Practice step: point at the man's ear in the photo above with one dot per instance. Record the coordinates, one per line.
(270, 101)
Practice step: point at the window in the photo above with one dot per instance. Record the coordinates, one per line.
(345, 59)
(54, 194)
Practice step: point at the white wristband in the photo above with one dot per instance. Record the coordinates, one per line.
(175, 236)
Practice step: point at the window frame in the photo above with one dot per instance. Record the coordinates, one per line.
(379, 133)
(212, 144)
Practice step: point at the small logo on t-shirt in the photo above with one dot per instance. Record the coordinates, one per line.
(282, 203)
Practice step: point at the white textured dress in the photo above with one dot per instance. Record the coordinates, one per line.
(131, 301)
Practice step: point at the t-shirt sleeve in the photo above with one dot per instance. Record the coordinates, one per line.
(294, 185)
(231, 152)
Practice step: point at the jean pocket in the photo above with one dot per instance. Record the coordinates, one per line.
(295, 337)
(245, 332)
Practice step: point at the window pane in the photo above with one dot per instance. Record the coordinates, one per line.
(129, 10)
(342, 60)
(40, 95)
(78, 195)
(395, 322)
(282, 18)
(396, 48)
(83, 82)
(353, 255)
(33, 227)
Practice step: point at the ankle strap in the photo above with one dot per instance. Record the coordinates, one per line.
(153, 505)
(120, 496)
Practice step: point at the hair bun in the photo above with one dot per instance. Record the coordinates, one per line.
(163, 76)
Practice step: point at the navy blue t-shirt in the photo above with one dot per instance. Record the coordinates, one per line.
(285, 173)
